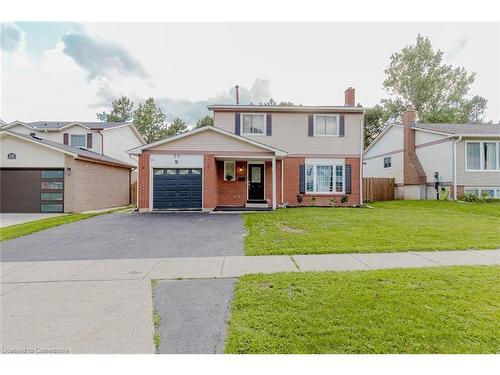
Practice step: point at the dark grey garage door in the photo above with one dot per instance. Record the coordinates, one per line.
(177, 188)
(31, 190)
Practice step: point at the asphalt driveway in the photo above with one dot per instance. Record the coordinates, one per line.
(132, 236)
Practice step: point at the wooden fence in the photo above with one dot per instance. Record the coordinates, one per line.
(378, 189)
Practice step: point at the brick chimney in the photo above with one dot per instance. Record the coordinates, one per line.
(350, 97)
(414, 173)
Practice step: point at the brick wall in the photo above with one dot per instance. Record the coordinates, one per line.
(143, 186)
(292, 185)
(413, 172)
(232, 193)
(92, 186)
(210, 184)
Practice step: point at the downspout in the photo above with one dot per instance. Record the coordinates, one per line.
(362, 147)
(455, 167)
(102, 141)
(282, 174)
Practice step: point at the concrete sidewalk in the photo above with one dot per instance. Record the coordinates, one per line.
(232, 266)
(105, 306)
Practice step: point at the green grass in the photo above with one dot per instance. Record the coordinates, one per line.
(14, 231)
(433, 310)
(388, 227)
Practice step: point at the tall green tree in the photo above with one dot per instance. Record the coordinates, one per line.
(150, 121)
(176, 127)
(204, 121)
(122, 110)
(417, 75)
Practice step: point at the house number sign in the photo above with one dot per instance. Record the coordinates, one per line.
(11, 156)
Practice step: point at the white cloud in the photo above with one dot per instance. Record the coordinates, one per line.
(190, 64)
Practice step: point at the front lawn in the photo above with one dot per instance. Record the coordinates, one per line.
(388, 227)
(14, 231)
(432, 310)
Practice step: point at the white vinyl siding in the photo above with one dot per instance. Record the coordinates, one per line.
(479, 177)
(290, 133)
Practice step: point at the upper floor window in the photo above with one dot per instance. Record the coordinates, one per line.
(483, 156)
(78, 140)
(254, 124)
(326, 125)
(388, 162)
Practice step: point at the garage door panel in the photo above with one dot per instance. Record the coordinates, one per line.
(28, 190)
(177, 188)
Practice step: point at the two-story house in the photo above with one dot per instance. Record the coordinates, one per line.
(66, 166)
(460, 157)
(259, 157)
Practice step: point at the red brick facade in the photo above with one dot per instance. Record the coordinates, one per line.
(414, 173)
(217, 192)
(143, 188)
(292, 185)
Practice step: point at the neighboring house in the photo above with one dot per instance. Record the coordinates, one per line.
(465, 156)
(258, 156)
(39, 175)
(112, 139)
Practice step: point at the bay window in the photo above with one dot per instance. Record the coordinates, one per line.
(482, 156)
(324, 178)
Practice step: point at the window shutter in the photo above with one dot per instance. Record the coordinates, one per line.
(237, 123)
(348, 179)
(341, 126)
(302, 178)
(310, 129)
(66, 138)
(269, 124)
(89, 140)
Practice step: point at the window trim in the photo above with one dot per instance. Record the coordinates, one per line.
(481, 156)
(84, 135)
(327, 135)
(334, 167)
(390, 162)
(263, 134)
(234, 170)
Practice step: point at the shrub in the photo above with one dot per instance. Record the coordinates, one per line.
(473, 198)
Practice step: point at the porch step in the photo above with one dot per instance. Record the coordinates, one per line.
(261, 204)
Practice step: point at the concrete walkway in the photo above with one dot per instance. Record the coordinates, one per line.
(232, 266)
(105, 306)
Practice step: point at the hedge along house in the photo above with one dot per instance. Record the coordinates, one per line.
(257, 157)
(39, 175)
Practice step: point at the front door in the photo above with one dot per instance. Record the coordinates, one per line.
(256, 182)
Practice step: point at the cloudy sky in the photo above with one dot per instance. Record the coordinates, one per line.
(70, 71)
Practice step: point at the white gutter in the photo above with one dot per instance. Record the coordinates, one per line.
(455, 166)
